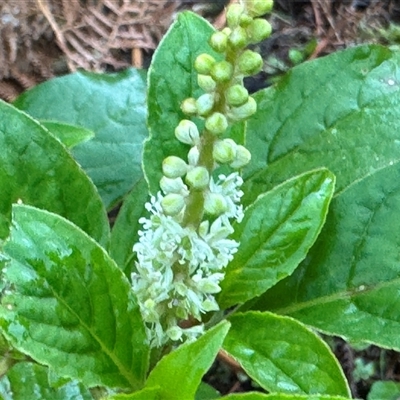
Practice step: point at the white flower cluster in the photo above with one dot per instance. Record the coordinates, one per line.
(179, 268)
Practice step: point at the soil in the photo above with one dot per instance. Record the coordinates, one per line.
(41, 39)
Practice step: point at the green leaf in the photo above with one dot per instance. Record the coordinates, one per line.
(27, 380)
(384, 390)
(181, 371)
(206, 392)
(37, 169)
(68, 305)
(69, 135)
(125, 232)
(282, 355)
(275, 235)
(172, 79)
(281, 396)
(349, 284)
(340, 112)
(113, 107)
(147, 393)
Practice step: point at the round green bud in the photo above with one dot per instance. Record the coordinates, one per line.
(174, 167)
(238, 38)
(203, 63)
(169, 185)
(236, 95)
(245, 20)
(189, 107)
(242, 158)
(216, 123)
(222, 71)
(233, 14)
(250, 63)
(243, 112)
(218, 41)
(258, 30)
(198, 178)
(256, 8)
(205, 104)
(215, 204)
(194, 156)
(227, 31)
(206, 83)
(224, 151)
(172, 204)
(187, 132)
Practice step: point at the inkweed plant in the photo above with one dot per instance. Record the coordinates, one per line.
(248, 225)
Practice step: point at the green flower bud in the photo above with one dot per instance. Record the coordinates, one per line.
(243, 112)
(258, 30)
(198, 178)
(203, 63)
(256, 8)
(218, 41)
(193, 156)
(172, 204)
(224, 151)
(243, 157)
(215, 204)
(176, 185)
(245, 20)
(236, 95)
(187, 132)
(189, 107)
(174, 167)
(205, 104)
(174, 333)
(233, 14)
(216, 123)
(206, 83)
(222, 71)
(249, 63)
(238, 38)
(227, 31)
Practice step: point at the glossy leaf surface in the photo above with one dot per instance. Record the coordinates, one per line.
(181, 371)
(113, 107)
(36, 169)
(282, 355)
(69, 306)
(277, 231)
(384, 390)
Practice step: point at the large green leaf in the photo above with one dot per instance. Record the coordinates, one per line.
(125, 232)
(281, 396)
(147, 393)
(68, 305)
(282, 355)
(36, 168)
(384, 390)
(181, 371)
(277, 231)
(172, 78)
(113, 107)
(341, 112)
(29, 381)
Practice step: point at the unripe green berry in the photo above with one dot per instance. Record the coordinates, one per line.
(198, 178)
(205, 104)
(172, 204)
(224, 151)
(218, 41)
(222, 71)
(242, 158)
(216, 123)
(258, 30)
(249, 63)
(256, 8)
(245, 20)
(187, 132)
(238, 38)
(236, 95)
(174, 167)
(203, 63)
(215, 204)
(227, 31)
(206, 83)
(189, 107)
(243, 112)
(233, 14)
